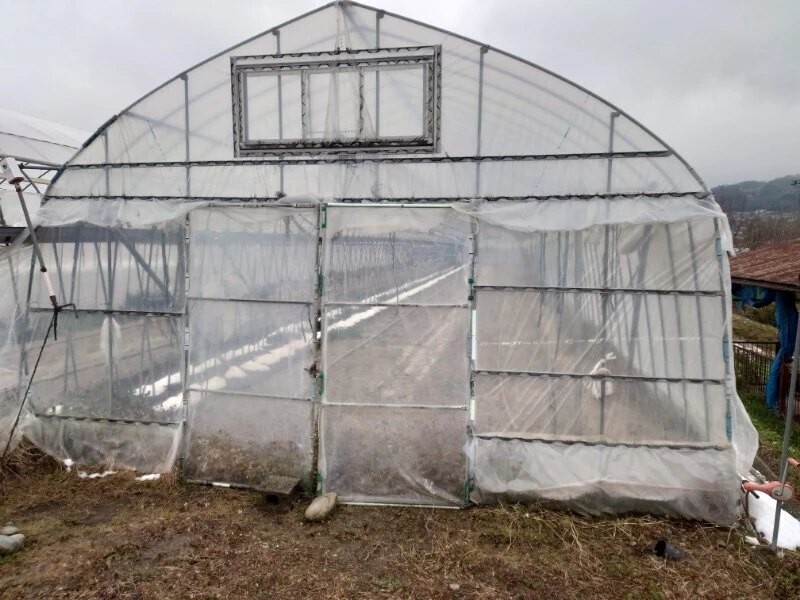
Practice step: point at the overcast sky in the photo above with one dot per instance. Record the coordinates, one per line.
(719, 80)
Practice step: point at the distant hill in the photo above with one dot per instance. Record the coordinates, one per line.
(748, 196)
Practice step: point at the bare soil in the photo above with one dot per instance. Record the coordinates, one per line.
(119, 538)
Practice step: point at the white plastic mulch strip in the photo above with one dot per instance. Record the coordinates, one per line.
(85, 475)
(762, 511)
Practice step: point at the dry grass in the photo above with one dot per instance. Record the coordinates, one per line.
(119, 538)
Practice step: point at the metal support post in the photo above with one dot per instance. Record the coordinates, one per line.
(787, 434)
(277, 34)
(185, 78)
(484, 50)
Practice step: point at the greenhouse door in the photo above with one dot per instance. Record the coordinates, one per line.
(252, 339)
(395, 362)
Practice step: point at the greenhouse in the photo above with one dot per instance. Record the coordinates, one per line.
(385, 260)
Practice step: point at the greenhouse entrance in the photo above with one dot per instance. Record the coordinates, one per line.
(383, 374)
(396, 331)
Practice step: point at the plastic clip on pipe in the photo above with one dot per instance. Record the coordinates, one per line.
(775, 489)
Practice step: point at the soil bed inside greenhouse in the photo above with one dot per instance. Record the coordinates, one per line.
(121, 538)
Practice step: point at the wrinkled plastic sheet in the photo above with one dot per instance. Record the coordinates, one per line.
(595, 479)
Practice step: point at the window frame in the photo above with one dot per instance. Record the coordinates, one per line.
(359, 61)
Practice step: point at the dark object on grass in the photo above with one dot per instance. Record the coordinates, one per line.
(665, 550)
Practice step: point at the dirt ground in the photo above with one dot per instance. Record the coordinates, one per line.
(119, 538)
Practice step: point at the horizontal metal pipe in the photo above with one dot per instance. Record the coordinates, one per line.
(610, 444)
(256, 300)
(193, 388)
(249, 201)
(402, 505)
(109, 420)
(386, 405)
(395, 305)
(586, 290)
(399, 159)
(113, 311)
(599, 377)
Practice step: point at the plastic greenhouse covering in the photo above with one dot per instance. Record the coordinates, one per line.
(390, 262)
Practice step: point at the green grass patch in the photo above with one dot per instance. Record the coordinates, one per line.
(770, 432)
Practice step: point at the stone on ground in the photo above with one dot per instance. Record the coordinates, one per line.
(11, 543)
(9, 530)
(321, 507)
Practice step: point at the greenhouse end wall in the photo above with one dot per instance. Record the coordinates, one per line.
(387, 261)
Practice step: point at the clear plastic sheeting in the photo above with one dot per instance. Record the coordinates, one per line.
(442, 180)
(641, 256)
(102, 268)
(15, 268)
(251, 347)
(123, 366)
(36, 140)
(10, 206)
(600, 410)
(147, 448)
(113, 213)
(632, 334)
(247, 439)
(252, 254)
(395, 354)
(394, 455)
(397, 255)
(573, 214)
(252, 336)
(429, 271)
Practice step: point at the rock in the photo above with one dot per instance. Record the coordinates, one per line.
(9, 530)
(455, 587)
(11, 543)
(321, 507)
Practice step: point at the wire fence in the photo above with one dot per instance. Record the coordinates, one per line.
(752, 362)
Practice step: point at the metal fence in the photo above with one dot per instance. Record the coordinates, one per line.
(751, 362)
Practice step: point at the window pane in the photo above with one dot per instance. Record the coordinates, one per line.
(401, 103)
(333, 105)
(262, 107)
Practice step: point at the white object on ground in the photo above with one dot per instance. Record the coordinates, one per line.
(753, 541)
(321, 507)
(149, 477)
(762, 511)
(235, 373)
(11, 543)
(68, 463)
(85, 475)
